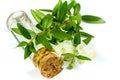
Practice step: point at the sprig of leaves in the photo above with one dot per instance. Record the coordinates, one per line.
(29, 47)
(71, 57)
(59, 24)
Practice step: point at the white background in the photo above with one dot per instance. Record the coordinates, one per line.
(107, 43)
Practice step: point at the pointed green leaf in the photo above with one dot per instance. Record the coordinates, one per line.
(23, 31)
(68, 55)
(78, 28)
(32, 48)
(87, 36)
(77, 9)
(60, 35)
(41, 39)
(32, 33)
(56, 8)
(83, 57)
(77, 39)
(71, 5)
(84, 34)
(92, 19)
(16, 30)
(37, 15)
(27, 52)
(46, 22)
(87, 40)
(61, 15)
(39, 26)
(21, 44)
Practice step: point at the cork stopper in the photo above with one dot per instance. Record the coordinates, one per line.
(48, 62)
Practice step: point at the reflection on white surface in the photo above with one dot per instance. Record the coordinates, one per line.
(105, 67)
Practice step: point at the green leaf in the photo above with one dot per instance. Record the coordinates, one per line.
(92, 19)
(23, 31)
(68, 55)
(61, 15)
(87, 36)
(41, 39)
(46, 22)
(60, 35)
(39, 26)
(32, 48)
(56, 8)
(37, 15)
(71, 5)
(87, 40)
(77, 9)
(16, 30)
(84, 34)
(21, 44)
(78, 28)
(71, 65)
(83, 57)
(46, 10)
(27, 52)
(77, 39)
(32, 33)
